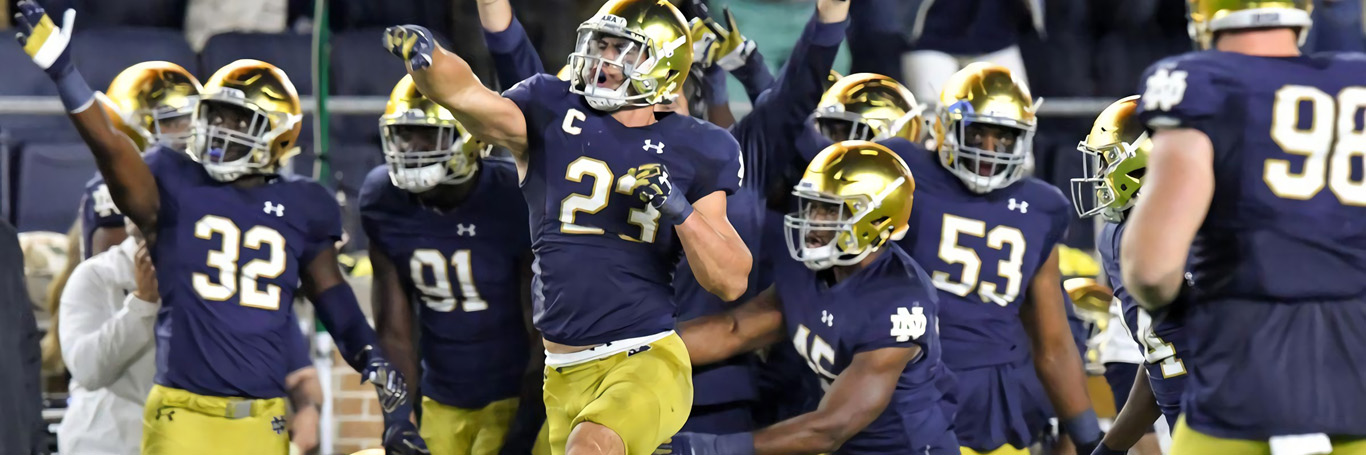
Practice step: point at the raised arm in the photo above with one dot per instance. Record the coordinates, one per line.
(1055, 355)
(131, 184)
(754, 325)
(447, 79)
(514, 58)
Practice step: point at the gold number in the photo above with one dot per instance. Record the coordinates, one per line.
(953, 253)
(225, 259)
(438, 295)
(817, 351)
(1337, 137)
(1157, 351)
(646, 218)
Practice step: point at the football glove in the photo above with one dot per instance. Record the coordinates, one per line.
(389, 382)
(708, 444)
(732, 49)
(652, 185)
(401, 438)
(43, 41)
(703, 41)
(412, 43)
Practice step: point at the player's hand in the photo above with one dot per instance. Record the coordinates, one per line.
(708, 444)
(732, 49)
(401, 438)
(412, 43)
(145, 275)
(43, 41)
(389, 383)
(652, 185)
(303, 428)
(703, 41)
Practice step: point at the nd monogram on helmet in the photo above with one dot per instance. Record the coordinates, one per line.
(1116, 158)
(424, 146)
(631, 53)
(854, 197)
(247, 121)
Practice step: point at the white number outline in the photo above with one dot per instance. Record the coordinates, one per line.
(225, 260)
(439, 295)
(1328, 151)
(647, 218)
(952, 253)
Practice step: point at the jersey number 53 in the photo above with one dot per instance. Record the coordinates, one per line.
(998, 238)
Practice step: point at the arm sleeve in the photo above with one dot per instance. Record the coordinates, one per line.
(98, 207)
(794, 96)
(1181, 93)
(725, 169)
(910, 315)
(340, 313)
(754, 76)
(514, 58)
(98, 344)
(327, 223)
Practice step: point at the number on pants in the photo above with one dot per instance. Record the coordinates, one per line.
(437, 294)
(647, 218)
(1328, 147)
(953, 253)
(1157, 351)
(225, 259)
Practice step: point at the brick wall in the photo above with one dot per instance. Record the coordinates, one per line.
(355, 408)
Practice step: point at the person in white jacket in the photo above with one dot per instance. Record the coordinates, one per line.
(108, 312)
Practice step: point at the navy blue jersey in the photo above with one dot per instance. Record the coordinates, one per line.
(97, 211)
(1279, 264)
(981, 251)
(890, 303)
(604, 263)
(229, 261)
(1162, 333)
(463, 269)
(298, 347)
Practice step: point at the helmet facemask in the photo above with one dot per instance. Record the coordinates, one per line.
(828, 230)
(232, 137)
(987, 153)
(170, 125)
(1095, 193)
(421, 156)
(610, 65)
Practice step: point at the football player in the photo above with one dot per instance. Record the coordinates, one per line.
(989, 236)
(856, 307)
(1117, 156)
(232, 242)
(448, 232)
(151, 102)
(1253, 173)
(614, 191)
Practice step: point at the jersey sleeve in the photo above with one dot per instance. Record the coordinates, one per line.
(722, 169)
(296, 346)
(1182, 92)
(326, 221)
(905, 316)
(514, 58)
(371, 201)
(97, 207)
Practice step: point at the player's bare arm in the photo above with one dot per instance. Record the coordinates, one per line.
(717, 254)
(756, 324)
(1055, 353)
(393, 315)
(1138, 415)
(495, 15)
(306, 396)
(447, 79)
(130, 181)
(854, 400)
(1177, 191)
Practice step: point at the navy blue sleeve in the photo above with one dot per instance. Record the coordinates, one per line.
(371, 205)
(1182, 92)
(296, 346)
(326, 227)
(721, 168)
(98, 208)
(514, 58)
(783, 109)
(909, 313)
(754, 75)
(714, 79)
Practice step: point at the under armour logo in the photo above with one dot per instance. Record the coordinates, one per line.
(908, 325)
(278, 424)
(168, 414)
(658, 148)
(277, 209)
(638, 350)
(464, 229)
(828, 318)
(1022, 205)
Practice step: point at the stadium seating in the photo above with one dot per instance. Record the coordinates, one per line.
(359, 69)
(21, 78)
(101, 54)
(123, 13)
(50, 179)
(288, 51)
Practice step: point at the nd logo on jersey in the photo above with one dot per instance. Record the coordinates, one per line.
(908, 325)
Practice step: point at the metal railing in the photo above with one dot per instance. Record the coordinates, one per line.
(361, 105)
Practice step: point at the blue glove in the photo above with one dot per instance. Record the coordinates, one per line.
(708, 444)
(49, 47)
(652, 185)
(412, 43)
(401, 438)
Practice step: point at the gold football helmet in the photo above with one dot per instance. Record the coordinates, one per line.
(247, 121)
(984, 132)
(153, 102)
(424, 145)
(854, 197)
(1207, 17)
(1116, 158)
(868, 107)
(631, 53)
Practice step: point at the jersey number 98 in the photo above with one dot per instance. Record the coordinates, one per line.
(1329, 145)
(224, 259)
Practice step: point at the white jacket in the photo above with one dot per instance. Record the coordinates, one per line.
(108, 345)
